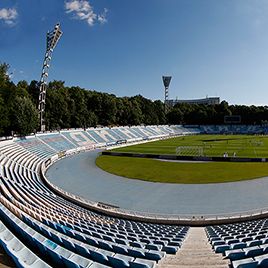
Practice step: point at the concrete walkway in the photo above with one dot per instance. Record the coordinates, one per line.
(196, 252)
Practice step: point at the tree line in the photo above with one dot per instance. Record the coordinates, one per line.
(194, 114)
(75, 107)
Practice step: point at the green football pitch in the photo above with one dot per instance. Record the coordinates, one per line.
(192, 172)
(209, 145)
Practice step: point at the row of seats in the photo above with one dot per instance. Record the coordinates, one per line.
(21, 255)
(50, 143)
(61, 233)
(244, 244)
(235, 129)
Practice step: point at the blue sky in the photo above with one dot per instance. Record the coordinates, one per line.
(210, 47)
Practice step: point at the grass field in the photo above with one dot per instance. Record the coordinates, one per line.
(181, 172)
(212, 145)
(176, 172)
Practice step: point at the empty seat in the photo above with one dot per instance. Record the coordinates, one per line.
(245, 263)
(238, 245)
(253, 251)
(235, 254)
(262, 260)
(119, 260)
(141, 263)
(221, 248)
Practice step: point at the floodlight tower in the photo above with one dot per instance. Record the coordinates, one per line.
(166, 81)
(52, 40)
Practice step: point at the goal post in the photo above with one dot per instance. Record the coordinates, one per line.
(190, 151)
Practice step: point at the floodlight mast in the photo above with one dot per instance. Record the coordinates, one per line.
(166, 82)
(52, 40)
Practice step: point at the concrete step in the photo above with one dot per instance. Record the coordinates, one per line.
(199, 252)
(195, 255)
(196, 252)
(196, 262)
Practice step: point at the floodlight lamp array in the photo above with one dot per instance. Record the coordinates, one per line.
(53, 37)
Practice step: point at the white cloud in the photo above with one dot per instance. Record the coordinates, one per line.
(9, 15)
(102, 17)
(83, 10)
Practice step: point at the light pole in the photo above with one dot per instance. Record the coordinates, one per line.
(52, 40)
(166, 81)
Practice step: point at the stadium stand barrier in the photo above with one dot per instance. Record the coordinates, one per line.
(57, 145)
(43, 226)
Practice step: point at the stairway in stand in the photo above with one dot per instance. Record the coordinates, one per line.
(196, 252)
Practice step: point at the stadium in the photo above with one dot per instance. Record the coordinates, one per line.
(89, 179)
(43, 225)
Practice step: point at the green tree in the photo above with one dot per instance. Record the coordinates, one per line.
(135, 116)
(159, 111)
(4, 77)
(57, 111)
(22, 88)
(107, 116)
(26, 116)
(4, 123)
(79, 116)
(33, 91)
(175, 116)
